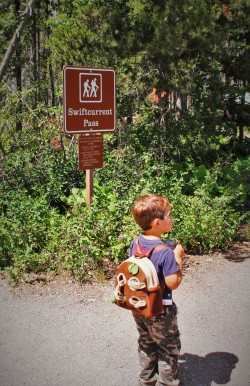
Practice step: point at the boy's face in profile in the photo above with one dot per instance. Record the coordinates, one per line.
(164, 225)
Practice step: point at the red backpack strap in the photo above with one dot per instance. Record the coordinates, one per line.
(139, 253)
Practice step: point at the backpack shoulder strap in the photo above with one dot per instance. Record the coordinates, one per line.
(139, 254)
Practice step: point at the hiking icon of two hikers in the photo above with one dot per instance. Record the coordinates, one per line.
(90, 91)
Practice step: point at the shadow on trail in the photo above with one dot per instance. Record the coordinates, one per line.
(238, 253)
(202, 371)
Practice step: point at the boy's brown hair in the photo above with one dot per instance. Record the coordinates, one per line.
(149, 207)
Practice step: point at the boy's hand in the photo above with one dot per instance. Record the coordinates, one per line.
(179, 251)
(173, 281)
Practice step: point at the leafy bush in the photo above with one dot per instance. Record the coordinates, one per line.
(27, 228)
(45, 224)
(202, 223)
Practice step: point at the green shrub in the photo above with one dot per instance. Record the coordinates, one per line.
(202, 223)
(27, 228)
(88, 239)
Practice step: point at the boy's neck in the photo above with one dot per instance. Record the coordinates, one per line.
(151, 235)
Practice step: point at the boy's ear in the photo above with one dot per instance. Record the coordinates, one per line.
(155, 222)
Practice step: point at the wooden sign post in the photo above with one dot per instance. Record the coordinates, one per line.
(89, 185)
(89, 106)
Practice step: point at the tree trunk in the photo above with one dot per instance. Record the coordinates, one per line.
(15, 39)
(18, 72)
(51, 75)
(35, 33)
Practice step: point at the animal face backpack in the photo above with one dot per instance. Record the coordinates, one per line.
(137, 284)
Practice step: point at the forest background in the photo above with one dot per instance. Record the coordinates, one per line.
(182, 84)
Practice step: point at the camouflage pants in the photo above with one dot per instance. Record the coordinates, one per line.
(159, 347)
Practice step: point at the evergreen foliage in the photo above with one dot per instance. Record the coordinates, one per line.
(182, 111)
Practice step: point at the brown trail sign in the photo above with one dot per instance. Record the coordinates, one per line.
(89, 100)
(89, 106)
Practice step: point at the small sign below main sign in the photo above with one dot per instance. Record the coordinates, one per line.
(90, 155)
(89, 103)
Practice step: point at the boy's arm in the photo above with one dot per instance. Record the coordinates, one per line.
(173, 281)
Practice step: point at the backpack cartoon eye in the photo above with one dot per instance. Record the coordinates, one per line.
(137, 286)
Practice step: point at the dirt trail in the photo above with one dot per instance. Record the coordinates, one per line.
(65, 334)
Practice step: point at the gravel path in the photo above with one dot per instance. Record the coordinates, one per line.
(69, 335)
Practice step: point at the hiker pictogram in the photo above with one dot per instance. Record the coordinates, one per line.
(90, 87)
(94, 88)
(86, 89)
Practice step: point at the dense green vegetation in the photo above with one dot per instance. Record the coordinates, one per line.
(182, 111)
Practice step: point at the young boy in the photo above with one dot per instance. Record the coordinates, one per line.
(159, 337)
